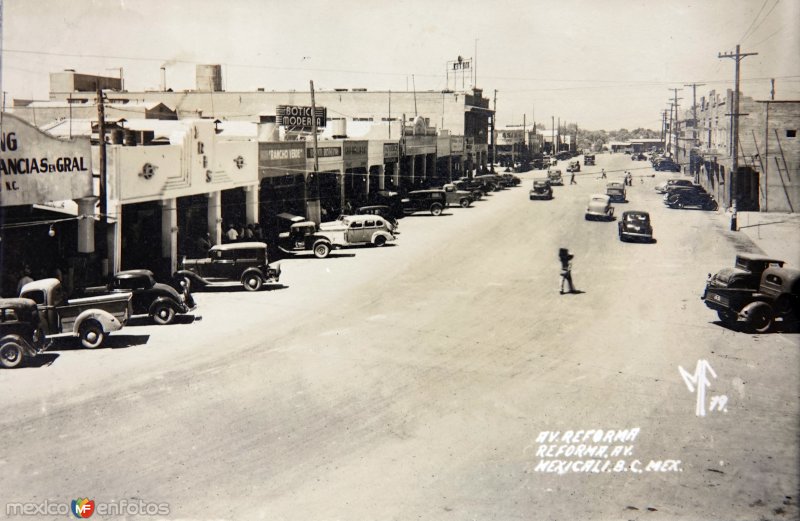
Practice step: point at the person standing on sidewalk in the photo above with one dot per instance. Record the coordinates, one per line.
(566, 269)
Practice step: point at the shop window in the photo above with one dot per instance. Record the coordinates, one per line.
(791, 132)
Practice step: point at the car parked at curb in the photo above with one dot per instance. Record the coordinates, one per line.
(599, 208)
(635, 225)
(245, 262)
(161, 302)
(669, 183)
(776, 297)
(667, 165)
(690, 197)
(745, 273)
(541, 190)
(380, 210)
(433, 201)
(454, 196)
(20, 335)
(89, 318)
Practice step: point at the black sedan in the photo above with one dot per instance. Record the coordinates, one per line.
(690, 197)
(159, 301)
(635, 226)
(667, 165)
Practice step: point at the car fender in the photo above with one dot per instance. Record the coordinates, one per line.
(250, 271)
(106, 320)
(27, 347)
(179, 307)
(192, 276)
(385, 235)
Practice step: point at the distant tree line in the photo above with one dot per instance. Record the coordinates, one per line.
(595, 139)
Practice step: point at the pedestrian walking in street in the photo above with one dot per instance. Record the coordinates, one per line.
(566, 269)
(572, 178)
(603, 174)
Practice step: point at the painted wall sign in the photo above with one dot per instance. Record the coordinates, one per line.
(355, 154)
(391, 152)
(36, 168)
(457, 145)
(298, 118)
(324, 152)
(277, 159)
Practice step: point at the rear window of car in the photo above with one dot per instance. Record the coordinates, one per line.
(369, 224)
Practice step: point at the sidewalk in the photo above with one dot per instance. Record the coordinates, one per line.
(776, 234)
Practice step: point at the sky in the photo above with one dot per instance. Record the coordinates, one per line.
(603, 64)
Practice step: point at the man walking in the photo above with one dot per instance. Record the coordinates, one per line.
(566, 269)
(603, 174)
(572, 178)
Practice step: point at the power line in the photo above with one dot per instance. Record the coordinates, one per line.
(765, 17)
(741, 38)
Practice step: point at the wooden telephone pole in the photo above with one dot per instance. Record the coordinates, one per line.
(738, 57)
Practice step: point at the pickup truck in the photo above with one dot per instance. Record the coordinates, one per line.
(90, 318)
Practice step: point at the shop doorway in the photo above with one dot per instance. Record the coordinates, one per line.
(141, 237)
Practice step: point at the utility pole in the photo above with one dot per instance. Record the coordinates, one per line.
(675, 128)
(694, 107)
(313, 206)
(101, 142)
(552, 135)
(668, 130)
(738, 57)
(494, 140)
(664, 127)
(558, 148)
(772, 89)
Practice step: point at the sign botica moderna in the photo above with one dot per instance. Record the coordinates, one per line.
(36, 168)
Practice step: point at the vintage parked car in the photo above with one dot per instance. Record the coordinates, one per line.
(242, 261)
(669, 183)
(690, 197)
(540, 163)
(563, 156)
(20, 336)
(541, 190)
(433, 201)
(776, 297)
(474, 188)
(90, 318)
(667, 165)
(510, 180)
(635, 226)
(616, 191)
(458, 197)
(638, 157)
(160, 301)
(574, 166)
(491, 182)
(599, 207)
(354, 230)
(745, 273)
(588, 159)
(381, 210)
(554, 176)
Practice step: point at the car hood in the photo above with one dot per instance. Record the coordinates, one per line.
(726, 275)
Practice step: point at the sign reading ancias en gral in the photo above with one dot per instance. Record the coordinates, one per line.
(297, 118)
(36, 168)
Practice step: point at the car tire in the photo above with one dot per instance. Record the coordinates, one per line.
(436, 209)
(321, 250)
(252, 282)
(163, 313)
(464, 203)
(92, 334)
(380, 240)
(11, 355)
(758, 316)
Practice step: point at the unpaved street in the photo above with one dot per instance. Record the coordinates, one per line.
(416, 381)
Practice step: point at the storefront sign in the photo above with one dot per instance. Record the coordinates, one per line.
(276, 159)
(36, 168)
(298, 118)
(324, 152)
(457, 145)
(355, 154)
(391, 152)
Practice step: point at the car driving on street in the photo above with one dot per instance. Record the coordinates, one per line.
(599, 208)
(635, 226)
(541, 190)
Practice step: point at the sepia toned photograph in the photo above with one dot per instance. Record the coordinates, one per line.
(396, 261)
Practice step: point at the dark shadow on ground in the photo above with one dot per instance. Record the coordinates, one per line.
(113, 341)
(41, 360)
(236, 288)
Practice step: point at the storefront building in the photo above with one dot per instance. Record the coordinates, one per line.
(46, 205)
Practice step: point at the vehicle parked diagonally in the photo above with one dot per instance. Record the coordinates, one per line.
(777, 296)
(690, 197)
(457, 197)
(433, 201)
(20, 335)
(245, 262)
(669, 183)
(161, 302)
(89, 318)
